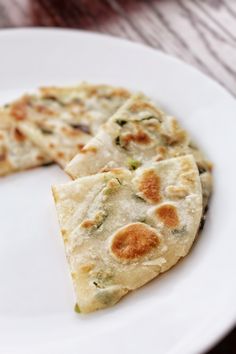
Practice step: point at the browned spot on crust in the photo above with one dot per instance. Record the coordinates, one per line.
(100, 91)
(209, 165)
(177, 135)
(119, 92)
(63, 231)
(60, 154)
(186, 165)
(19, 109)
(140, 138)
(50, 90)
(71, 132)
(80, 146)
(40, 158)
(44, 110)
(161, 150)
(19, 136)
(86, 267)
(87, 223)
(150, 186)
(1, 137)
(51, 145)
(89, 149)
(176, 191)
(140, 106)
(64, 235)
(168, 215)
(3, 156)
(134, 241)
(161, 153)
(188, 178)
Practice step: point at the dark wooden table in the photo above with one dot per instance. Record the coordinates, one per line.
(201, 32)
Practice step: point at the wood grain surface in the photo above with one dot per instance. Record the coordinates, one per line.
(201, 32)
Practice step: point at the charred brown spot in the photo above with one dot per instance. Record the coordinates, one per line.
(150, 186)
(168, 215)
(134, 241)
(60, 154)
(51, 145)
(3, 156)
(40, 158)
(87, 223)
(19, 109)
(140, 138)
(92, 91)
(80, 146)
(19, 136)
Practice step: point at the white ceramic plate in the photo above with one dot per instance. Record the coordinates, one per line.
(182, 312)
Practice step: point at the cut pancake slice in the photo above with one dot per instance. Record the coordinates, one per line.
(17, 152)
(138, 132)
(122, 228)
(61, 120)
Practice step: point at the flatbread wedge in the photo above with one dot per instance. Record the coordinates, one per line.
(17, 152)
(122, 228)
(61, 120)
(138, 132)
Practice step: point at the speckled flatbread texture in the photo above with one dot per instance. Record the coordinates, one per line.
(122, 228)
(17, 152)
(138, 132)
(61, 120)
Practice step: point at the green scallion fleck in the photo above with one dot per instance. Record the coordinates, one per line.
(133, 164)
(77, 309)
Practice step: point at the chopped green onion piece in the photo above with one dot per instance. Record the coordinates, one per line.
(77, 309)
(133, 164)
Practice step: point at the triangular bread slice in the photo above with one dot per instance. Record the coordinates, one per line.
(17, 152)
(61, 120)
(138, 132)
(122, 228)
